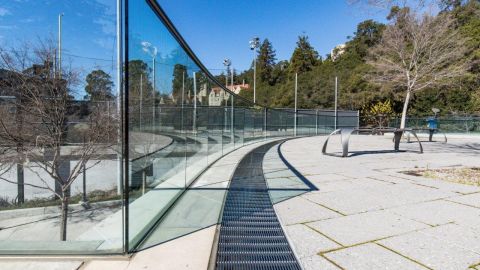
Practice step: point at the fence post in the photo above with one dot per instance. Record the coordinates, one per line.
(265, 122)
(358, 119)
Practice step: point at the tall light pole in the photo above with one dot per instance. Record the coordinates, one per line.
(296, 90)
(195, 102)
(227, 62)
(254, 43)
(336, 102)
(151, 50)
(60, 45)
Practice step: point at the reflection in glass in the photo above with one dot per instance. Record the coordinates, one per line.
(66, 188)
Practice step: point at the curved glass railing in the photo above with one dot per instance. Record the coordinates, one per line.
(175, 121)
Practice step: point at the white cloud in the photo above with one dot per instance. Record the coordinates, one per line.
(4, 11)
(28, 20)
(107, 26)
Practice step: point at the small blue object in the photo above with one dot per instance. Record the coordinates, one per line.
(432, 123)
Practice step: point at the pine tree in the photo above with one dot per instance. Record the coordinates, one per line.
(304, 57)
(266, 61)
(180, 82)
(99, 85)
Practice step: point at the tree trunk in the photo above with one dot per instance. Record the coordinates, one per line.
(20, 184)
(64, 217)
(405, 108)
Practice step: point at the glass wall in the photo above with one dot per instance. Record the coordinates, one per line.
(60, 145)
(95, 151)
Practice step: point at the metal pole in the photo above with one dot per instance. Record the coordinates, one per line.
(183, 101)
(295, 119)
(119, 95)
(316, 122)
(226, 78)
(231, 122)
(231, 79)
(153, 84)
(183, 89)
(194, 101)
(60, 45)
(265, 122)
(336, 101)
(153, 96)
(254, 75)
(358, 119)
(141, 100)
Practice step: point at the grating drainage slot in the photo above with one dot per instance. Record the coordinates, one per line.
(251, 236)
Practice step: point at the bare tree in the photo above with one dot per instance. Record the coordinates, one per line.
(35, 133)
(418, 52)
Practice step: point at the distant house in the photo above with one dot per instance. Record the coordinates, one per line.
(337, 51)
(218, 95)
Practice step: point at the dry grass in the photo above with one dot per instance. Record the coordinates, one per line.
(464, 175)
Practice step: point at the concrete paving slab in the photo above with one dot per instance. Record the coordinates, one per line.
(307, 242)
(377, 197)
(188, 252)
(299, 210)
(448, 186)
(40, 265)
(465, 237)
(106, 265)
(471, 199)
(328, 177)
(440, 212)
(365, 227)
(371, 256)
(432, 251)
(317, 262)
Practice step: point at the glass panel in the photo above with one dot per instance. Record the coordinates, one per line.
(168, 120)
(60, 158)
(227, 130)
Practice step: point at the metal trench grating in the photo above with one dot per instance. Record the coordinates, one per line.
(251, 237)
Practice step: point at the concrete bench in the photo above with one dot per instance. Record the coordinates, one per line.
(397, 136)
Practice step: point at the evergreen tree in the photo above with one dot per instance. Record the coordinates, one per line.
(266, 61)
(304, 57)
(139, 84)
(99, 85)
(179, 82)
(368, 34)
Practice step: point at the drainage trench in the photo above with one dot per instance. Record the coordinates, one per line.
(251, 236)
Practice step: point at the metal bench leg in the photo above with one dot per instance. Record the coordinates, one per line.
(345, 133)
(397, 136)
(324, 148)
(418, 140)
(345, 141)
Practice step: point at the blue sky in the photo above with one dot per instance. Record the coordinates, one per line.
(217, 29)
(214, 29)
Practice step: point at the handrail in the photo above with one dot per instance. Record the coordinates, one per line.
(173, 30)
(178, 37)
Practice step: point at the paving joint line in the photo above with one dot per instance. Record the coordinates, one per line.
(326, 207)
(406, 257)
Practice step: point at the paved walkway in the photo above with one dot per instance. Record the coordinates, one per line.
(367, 215)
